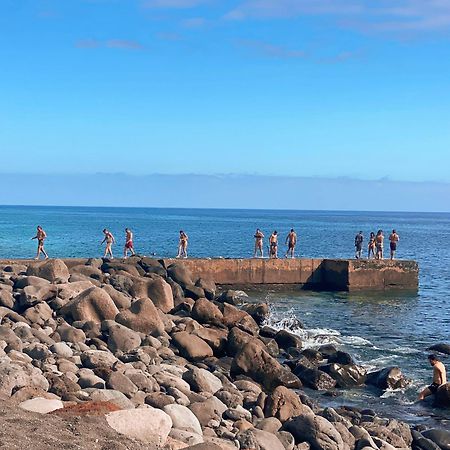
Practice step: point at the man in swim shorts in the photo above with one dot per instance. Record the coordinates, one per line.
(273, 243)
(393, 240)
(439, 377)
(41, 235)
(110, 240)
(359, 238)
(379, 244)
(259, 236)
(291, 242)
(129, 246)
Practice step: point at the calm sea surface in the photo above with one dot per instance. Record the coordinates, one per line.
(379, 329)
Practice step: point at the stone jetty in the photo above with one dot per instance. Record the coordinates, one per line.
(169, 360)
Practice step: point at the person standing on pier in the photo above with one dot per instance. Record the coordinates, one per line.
(291, 242)
(359, 239)
(393, 240)
(41, 235)
(110, 240)
(379, 242)
(259, 236)
(439, 377)
(129, 246)
(182, 245)
(371, 246)
(273, 243)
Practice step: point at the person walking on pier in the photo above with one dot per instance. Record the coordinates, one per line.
(393, 240)
(371, 246)
(379, 242)
(259, 236)
(291, 242)
(182, 245)
(273, 244)
(129, 246)
(359, 239)
(439, 377)
(41, 235)
(110, 240)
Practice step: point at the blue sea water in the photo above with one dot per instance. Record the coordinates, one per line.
(380, 329)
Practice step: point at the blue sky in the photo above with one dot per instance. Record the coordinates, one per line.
(309, 88)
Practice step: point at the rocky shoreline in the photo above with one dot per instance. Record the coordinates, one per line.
(173, 362)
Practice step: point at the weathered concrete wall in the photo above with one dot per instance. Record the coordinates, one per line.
(319, 274)
(323, 274)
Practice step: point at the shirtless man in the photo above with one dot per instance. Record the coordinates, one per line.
(273, 244)
(291, 242)
(110, 240)
(40, 236)
(259, 236)
(379, 239)
(393, 240)
(182, 245)
(128, 243)
(439, 377)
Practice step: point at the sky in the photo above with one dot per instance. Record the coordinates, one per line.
(325, 89)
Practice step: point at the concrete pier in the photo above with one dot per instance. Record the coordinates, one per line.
(304, 273)
(317, 274)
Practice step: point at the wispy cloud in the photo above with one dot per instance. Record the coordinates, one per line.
(195, 22)
(382, 15)
(120, 44)
(270, 50)
(174, 4)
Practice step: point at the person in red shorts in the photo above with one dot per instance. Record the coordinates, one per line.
(129, 246)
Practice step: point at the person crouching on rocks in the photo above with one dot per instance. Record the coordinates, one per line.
(110, 240)
(182, 245)
(273, 244)
(439, 377)
(129, 246)
(40, 236)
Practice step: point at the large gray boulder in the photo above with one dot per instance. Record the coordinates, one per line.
(121, 338)
(183, 418)
(53, 270)
(191, 346)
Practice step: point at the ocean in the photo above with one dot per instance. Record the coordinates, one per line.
(379, 329)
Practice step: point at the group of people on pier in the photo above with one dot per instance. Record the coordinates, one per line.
(375, 246)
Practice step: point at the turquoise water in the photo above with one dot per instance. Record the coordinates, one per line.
(379, 329)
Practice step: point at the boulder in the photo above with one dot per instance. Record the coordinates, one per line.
(256, 363)
(346, 376)
(13, 342)
(191, 346)
(209, 411)
(442, 396)
(267, 441)
(22, 282)
(31, 295)
(259, 311)
(314, 378)
(193, 292)
(93, 304)
(119, 382)
(37, 351)
(283, 404)
(205, 311)
(286, 340)
(38, 314)
(208, 286)
(439, 436)
(232, 297)
(183, 418)
(180, 274)
(53, 270)
(201, 380)
(148, 425)
(6, 299)
(88, 379)
(440, 348)
(15, 375)
(41, 405)
(71, 334)
(388, 378)
(142, 317)
(121, 300)
(215, 338)
(234, 317)
(317, 431)
(121, 338)
(97, 358)
(112, 396)
(161, 294)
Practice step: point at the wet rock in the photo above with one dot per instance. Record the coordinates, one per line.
(53, 270)
(142, 317)
(388, 378)
(442, 396)
(422, 443)
(93, 304)
(440, 348)
(286, 340)
(439, 437)
(191, 346)
(342, 358)
(346, 376)
(148, 425)
(259, 311)
(314, 378)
